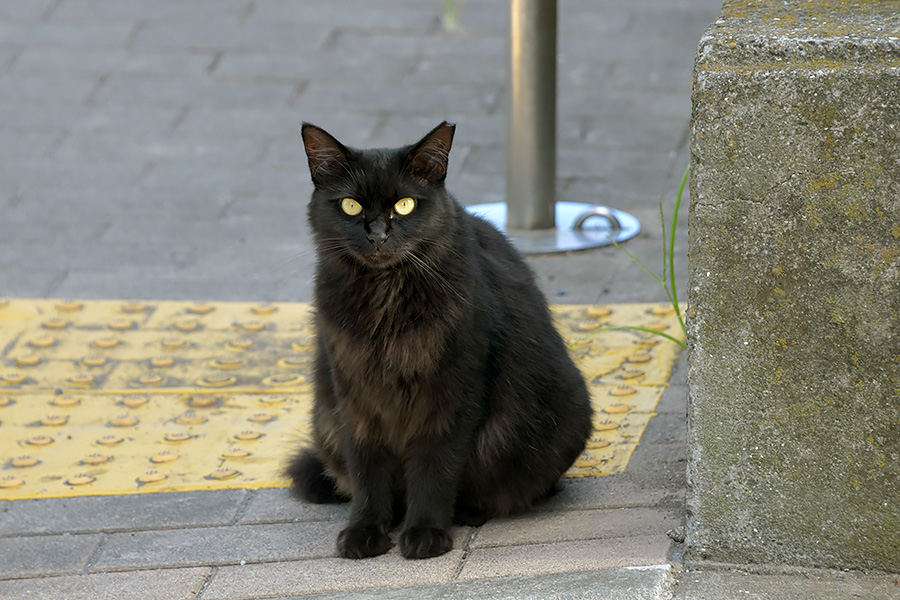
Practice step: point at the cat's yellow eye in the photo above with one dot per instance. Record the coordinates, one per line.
(351, 207)
(404, 206)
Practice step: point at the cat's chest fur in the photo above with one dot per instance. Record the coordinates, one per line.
(388, 326)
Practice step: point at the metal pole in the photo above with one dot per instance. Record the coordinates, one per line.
(531, 147)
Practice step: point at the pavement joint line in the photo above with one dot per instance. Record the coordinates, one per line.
(465, 553)
(206, 582)
(96, 555)
(242, 509)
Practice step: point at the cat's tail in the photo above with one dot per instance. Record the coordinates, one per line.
(310, 482)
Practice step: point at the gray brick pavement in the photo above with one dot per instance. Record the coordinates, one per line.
(47, 556)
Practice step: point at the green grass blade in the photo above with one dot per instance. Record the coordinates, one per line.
(632, 328)
(674, 292)
(635, 259)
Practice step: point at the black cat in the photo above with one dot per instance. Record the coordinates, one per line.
(442, 390)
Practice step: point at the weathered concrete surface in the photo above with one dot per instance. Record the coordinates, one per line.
(794, 423)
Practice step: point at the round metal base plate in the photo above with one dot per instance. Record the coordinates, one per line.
(578, 227)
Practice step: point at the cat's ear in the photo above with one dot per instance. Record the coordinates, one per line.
(327, 157)
(428, 159)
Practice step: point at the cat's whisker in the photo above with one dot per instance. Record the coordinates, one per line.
(438, 277)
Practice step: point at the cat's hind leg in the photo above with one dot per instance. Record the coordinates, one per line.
(468, 515)
(310, 481)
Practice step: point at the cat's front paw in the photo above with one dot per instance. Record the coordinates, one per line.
(425, 542)
(363, 541)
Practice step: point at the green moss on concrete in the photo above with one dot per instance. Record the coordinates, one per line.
(816, 35)
(795, 288)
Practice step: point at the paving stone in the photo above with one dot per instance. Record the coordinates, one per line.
(12, 10)
(318, 65)
(401, 16)
(209, 546)
(200, 11)
(27, 224)
(163, 283)
(442, 99)
(36, 88)
(30, 282)
(275, 123)
(547, 527)
(111, 60)
(47, 555)
(29, 144)
(188, 34)
(446, 69)
(594, 19)
(612, 491)
(239, 181)
(327, 575)
(667, 428)
(27, 173)
(280, 506)
(171, 584)
(121, 513)
(659, 465)
(653, 583)
(64, 255)
(92, 34)
(167, 146)
(463, 44)
(582, 555)
(44, 117)
(159, 90)
(471, 130)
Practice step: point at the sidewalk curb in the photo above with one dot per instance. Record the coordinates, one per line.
(656, 582)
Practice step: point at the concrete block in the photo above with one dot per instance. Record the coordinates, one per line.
(46, 556)
(121, 513)
(171, 584)
(563, 557)
(547, 527)
(210, 546)
(328, 575)
(795, 287)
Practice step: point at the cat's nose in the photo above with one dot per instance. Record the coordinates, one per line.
(377, 233)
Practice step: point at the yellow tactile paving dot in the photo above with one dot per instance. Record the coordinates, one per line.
(119, 397)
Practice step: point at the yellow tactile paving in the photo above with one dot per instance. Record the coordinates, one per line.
(113, 397)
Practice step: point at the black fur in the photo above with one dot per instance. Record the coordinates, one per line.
(442, 391)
